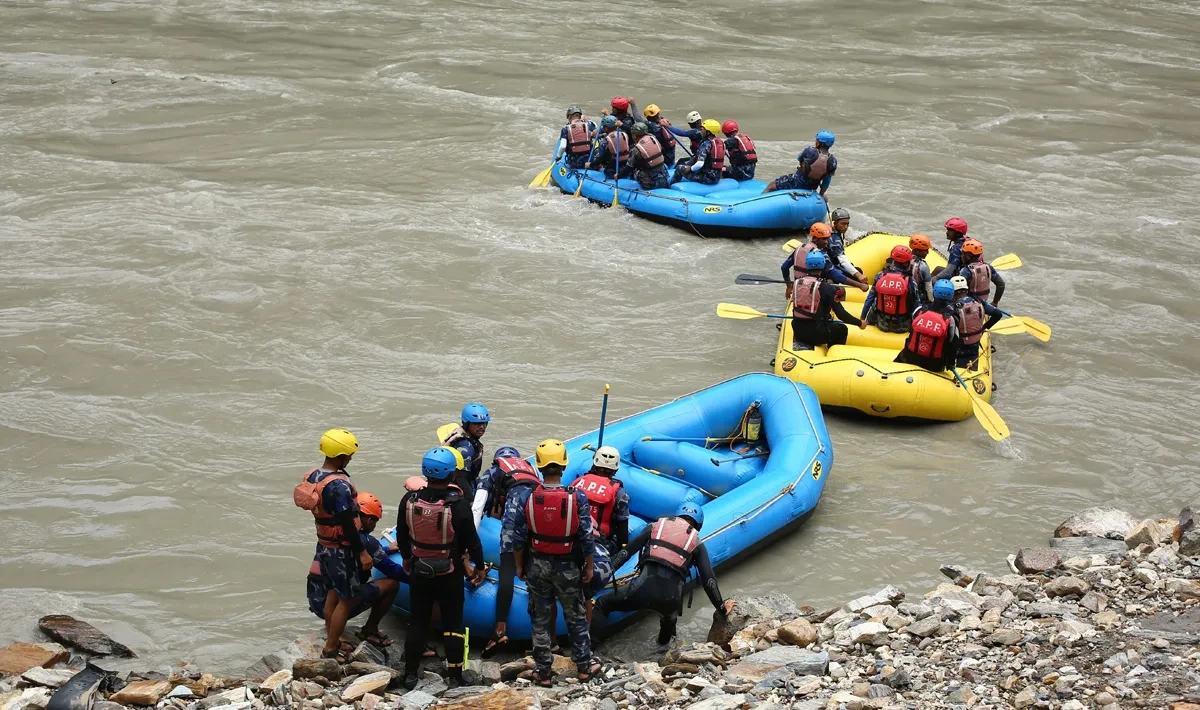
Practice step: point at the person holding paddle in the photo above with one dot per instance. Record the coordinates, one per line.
(612, 150)
(660, 128)
(708, 162)
(576, 138)
(969, 312)
(813, 299)
(647, 163)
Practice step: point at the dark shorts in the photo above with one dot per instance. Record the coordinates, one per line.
(339, 570)
(795, 181)
(368, 594)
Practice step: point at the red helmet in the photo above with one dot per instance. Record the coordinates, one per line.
(958, 224)
(620, 103)
(729, 127)
(901, 254)
(369, 505)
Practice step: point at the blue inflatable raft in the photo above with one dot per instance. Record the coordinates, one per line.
(728, 209)
(677, 452)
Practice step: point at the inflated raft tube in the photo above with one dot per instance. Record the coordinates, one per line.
(756, 499)
(728, 209)
(862, 375)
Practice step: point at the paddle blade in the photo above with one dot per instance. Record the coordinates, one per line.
(989, 418)
(1036, 328)
(756, 280)
(1006, 262)
(737, 312)
(616, 201)
(790, 246)
(444, 432)
(542, 179)
(1008, 326)
(579, 187)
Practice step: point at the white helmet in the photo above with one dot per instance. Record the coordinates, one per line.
(607, 457)
(694, 117)
(959, 282)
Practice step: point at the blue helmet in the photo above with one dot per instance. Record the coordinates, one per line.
(507, 452)
(691, 510)
(609, 122)
(475, 413)
(943, 289)
(825, 137)
(440, 463)
(814, 260)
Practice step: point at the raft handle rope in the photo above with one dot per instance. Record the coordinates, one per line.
(885, 375)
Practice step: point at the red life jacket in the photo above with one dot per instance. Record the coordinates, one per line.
(818, 168)
(618, 138)
(308, 495)
(891, 292)
(430, 528)
(672, 543)
(806, 297)
(929, 332)
(553, 518)
(665, 136)
(970, 321)
(517, 472)
(744, 152)
(979, 283)
(716, 156)
(579, 139)
(601, 492)
(651, 151)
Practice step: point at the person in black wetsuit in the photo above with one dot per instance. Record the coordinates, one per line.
(813, 299)
(672, 548)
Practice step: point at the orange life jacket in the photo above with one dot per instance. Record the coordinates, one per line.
(308, 495)
(806, 297)
(579, 138)
(744, 153)
(672, 543)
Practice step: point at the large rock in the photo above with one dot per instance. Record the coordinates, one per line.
(798, 633)
(1035, 560)
(888, 595)
(418, 700)
(20, 657)
(370, 683)
(872, 633)
(73, 633)
(719, 702)
(505, 699)
(276, 679)
(750, 611)
(756, 666)
(1004, 637)
(1097, 522)
(304, 647)
(953, 597)
(313, 667)
(1065, 587)
(1184, 588)
(922, 628)
(141, 692)
(50, 678)
(1144, 533)
(27, 699)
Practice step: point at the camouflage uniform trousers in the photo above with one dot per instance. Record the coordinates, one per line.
(550, 582)
(890, 324)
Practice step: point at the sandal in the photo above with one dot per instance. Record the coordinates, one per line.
(341, 656)
(429, 651)
(589, 670)
(494, 645)
(375, 638)
(544, 677)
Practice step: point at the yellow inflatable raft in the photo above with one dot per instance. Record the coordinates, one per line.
(862, 374)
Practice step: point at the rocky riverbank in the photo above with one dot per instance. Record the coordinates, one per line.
(1106, 616)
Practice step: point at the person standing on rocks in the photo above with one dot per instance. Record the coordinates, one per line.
(556, 523)
(376, 595)
(340, 558)
(673, 547)
(433, 532)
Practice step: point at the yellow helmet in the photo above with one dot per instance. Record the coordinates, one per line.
(651, 111)
(711, 126)
(337, 442)
(551, 451)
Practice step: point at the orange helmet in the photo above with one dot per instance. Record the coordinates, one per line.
(415, 483)
(901, 254)
(820, 230)
(972, 246)
(919, 241)
(369, 505)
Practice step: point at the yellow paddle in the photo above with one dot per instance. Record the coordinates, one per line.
(543, 178)
(791, 245)
(1006, 262)
(1008, 326)
(444, 432)
(1033, 326)
(739, 312)
(579, 187)
(984, 412)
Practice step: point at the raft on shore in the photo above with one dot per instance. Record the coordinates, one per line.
(728, 209)
(862, 375)
(747, 503)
